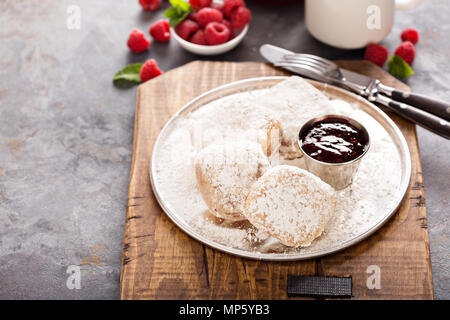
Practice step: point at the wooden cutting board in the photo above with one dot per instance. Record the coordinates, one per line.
(161, 262)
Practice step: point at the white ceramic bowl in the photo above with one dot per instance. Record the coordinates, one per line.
(205, 50)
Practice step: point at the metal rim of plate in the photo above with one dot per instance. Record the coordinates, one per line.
(264, 83)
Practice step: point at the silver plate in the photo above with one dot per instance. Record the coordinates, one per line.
(263, 83)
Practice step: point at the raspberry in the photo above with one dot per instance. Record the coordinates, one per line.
(160, 31)
(185, 28)
(240, 17)
(411, 35)
(198, 4)
(150, 5)
(149, 70)
(216, 33)
(406, 51)
(137, 41)
(218, 6)
(229, 5)
(193, 16)
(198, 38)
(207, 15)
(376, 54)
(227, 24)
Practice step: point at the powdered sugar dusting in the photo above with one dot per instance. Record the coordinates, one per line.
(242, 116)
(291, 204)
(225, 173)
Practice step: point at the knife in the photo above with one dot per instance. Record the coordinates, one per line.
(374, 91)
(434, 106)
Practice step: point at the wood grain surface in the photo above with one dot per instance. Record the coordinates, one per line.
(161, 262)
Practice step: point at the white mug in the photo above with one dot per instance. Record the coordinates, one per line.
(352, 24)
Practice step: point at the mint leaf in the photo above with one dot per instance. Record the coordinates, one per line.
(184, 5)
(399, 67)
(128, 76)
(179, 11)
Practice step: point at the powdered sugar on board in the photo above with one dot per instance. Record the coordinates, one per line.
(242, 116)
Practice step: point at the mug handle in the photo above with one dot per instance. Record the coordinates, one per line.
(407, 4)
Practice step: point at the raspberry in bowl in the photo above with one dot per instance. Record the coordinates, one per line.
(212, 27)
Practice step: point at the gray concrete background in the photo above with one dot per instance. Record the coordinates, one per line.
(66, 133)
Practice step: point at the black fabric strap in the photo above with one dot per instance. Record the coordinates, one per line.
(313, 286)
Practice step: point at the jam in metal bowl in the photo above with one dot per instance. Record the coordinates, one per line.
(333, 146)
(334, 140)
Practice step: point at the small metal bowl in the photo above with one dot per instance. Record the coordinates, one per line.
(337, 175)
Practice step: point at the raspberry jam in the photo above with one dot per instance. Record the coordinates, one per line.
(333, 140)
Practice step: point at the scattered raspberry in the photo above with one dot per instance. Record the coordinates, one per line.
(150, 5)
(406, 51)
(216, 33)
(160, 31)
(137, 41)
(240, 17)
(207, 15)
(198, 38)
(198, 4)
(376, 54)
(229, 5)
(149, 70)
(411, 35)
(185, 28)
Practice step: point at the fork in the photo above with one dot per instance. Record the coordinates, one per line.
(325, 70)
(328, 69)
(312, 62)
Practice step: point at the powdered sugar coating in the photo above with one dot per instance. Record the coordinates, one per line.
(292, 102)
(225, 172)
(290, 204)
(240, 116)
